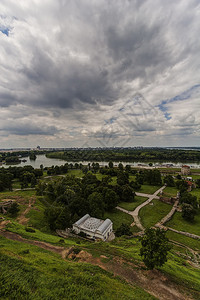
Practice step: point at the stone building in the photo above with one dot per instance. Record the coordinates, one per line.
(93, 227)
(185, 170)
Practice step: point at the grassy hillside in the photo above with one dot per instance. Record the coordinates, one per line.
(28, 272)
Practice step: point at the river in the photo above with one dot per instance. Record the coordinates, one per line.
(48, 162)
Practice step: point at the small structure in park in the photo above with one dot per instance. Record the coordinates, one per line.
(93, 227)
(185, 170)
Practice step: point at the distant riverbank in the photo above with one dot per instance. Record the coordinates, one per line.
(48, 162)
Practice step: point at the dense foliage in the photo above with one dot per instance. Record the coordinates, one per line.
(127, 154)
(69, 198)
(155, 247)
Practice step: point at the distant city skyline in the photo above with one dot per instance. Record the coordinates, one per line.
(99, 73)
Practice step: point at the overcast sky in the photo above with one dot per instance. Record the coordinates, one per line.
(99, 73)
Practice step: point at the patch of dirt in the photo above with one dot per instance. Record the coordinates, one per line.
(3, 224)
(153, 281)
(84, 255)
(22, 218)
(18, 199)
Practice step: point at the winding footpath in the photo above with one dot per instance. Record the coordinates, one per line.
(160, 224)
(135, 213)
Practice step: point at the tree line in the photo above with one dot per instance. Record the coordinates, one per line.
(127, 154)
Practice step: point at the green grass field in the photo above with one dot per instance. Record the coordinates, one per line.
(118, 217)
(185, 240)
(196, 192)
(77, 173)
(21, 194)
(151, 214)
(149, 189)
(132, 205)
(170, 191)
(178, 223)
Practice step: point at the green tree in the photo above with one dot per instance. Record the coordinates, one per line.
(110, 199)
(169, 180)
(122, 178)
(155, 247)
(120, 166)
(198, 183)
(110, 164)
(188, 212)
(96, 205)
(124, 229)
(127, 193)
(13, 209)
(189, 199)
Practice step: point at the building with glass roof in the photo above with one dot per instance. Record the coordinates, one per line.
(93, 227)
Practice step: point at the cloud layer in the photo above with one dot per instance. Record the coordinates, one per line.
(99, 73)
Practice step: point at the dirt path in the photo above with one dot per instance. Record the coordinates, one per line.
(22, 218)
(168, 216)
(153, 282)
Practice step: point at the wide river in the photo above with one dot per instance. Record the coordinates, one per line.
(48, 162)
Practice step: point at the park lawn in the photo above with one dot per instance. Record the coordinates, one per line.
(132, 178)
(99, 176)
(151, 214)
(194, 177)
(118, 217)
(114, 180)
(196, 192)
(76, 173)
(178, 223)
(195, 170)
(16, 184)
(170, 191)
(26, 194)
(148, 189)
(132, 205)
(185, 240)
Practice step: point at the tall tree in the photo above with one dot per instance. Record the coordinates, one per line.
(155, 247)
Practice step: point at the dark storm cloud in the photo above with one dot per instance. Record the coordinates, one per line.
(86, 68)
(29, 129)
(72, 63)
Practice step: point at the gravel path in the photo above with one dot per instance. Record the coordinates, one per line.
(135, 213)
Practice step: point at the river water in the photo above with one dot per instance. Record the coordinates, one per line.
(48, 162)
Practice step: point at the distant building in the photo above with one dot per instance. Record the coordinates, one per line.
(185, 170)
(93, 227)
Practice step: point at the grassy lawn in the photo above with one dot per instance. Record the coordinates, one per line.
(16, 184)
(196, 192)
(148, 189)
(170, 191)
(114, 180)
(77, 173)
(195, 176)
(132, 205)
(14, 194)
(151, 214)
(118, 217)
(185, 240)
(178, 223)
(132, 178)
